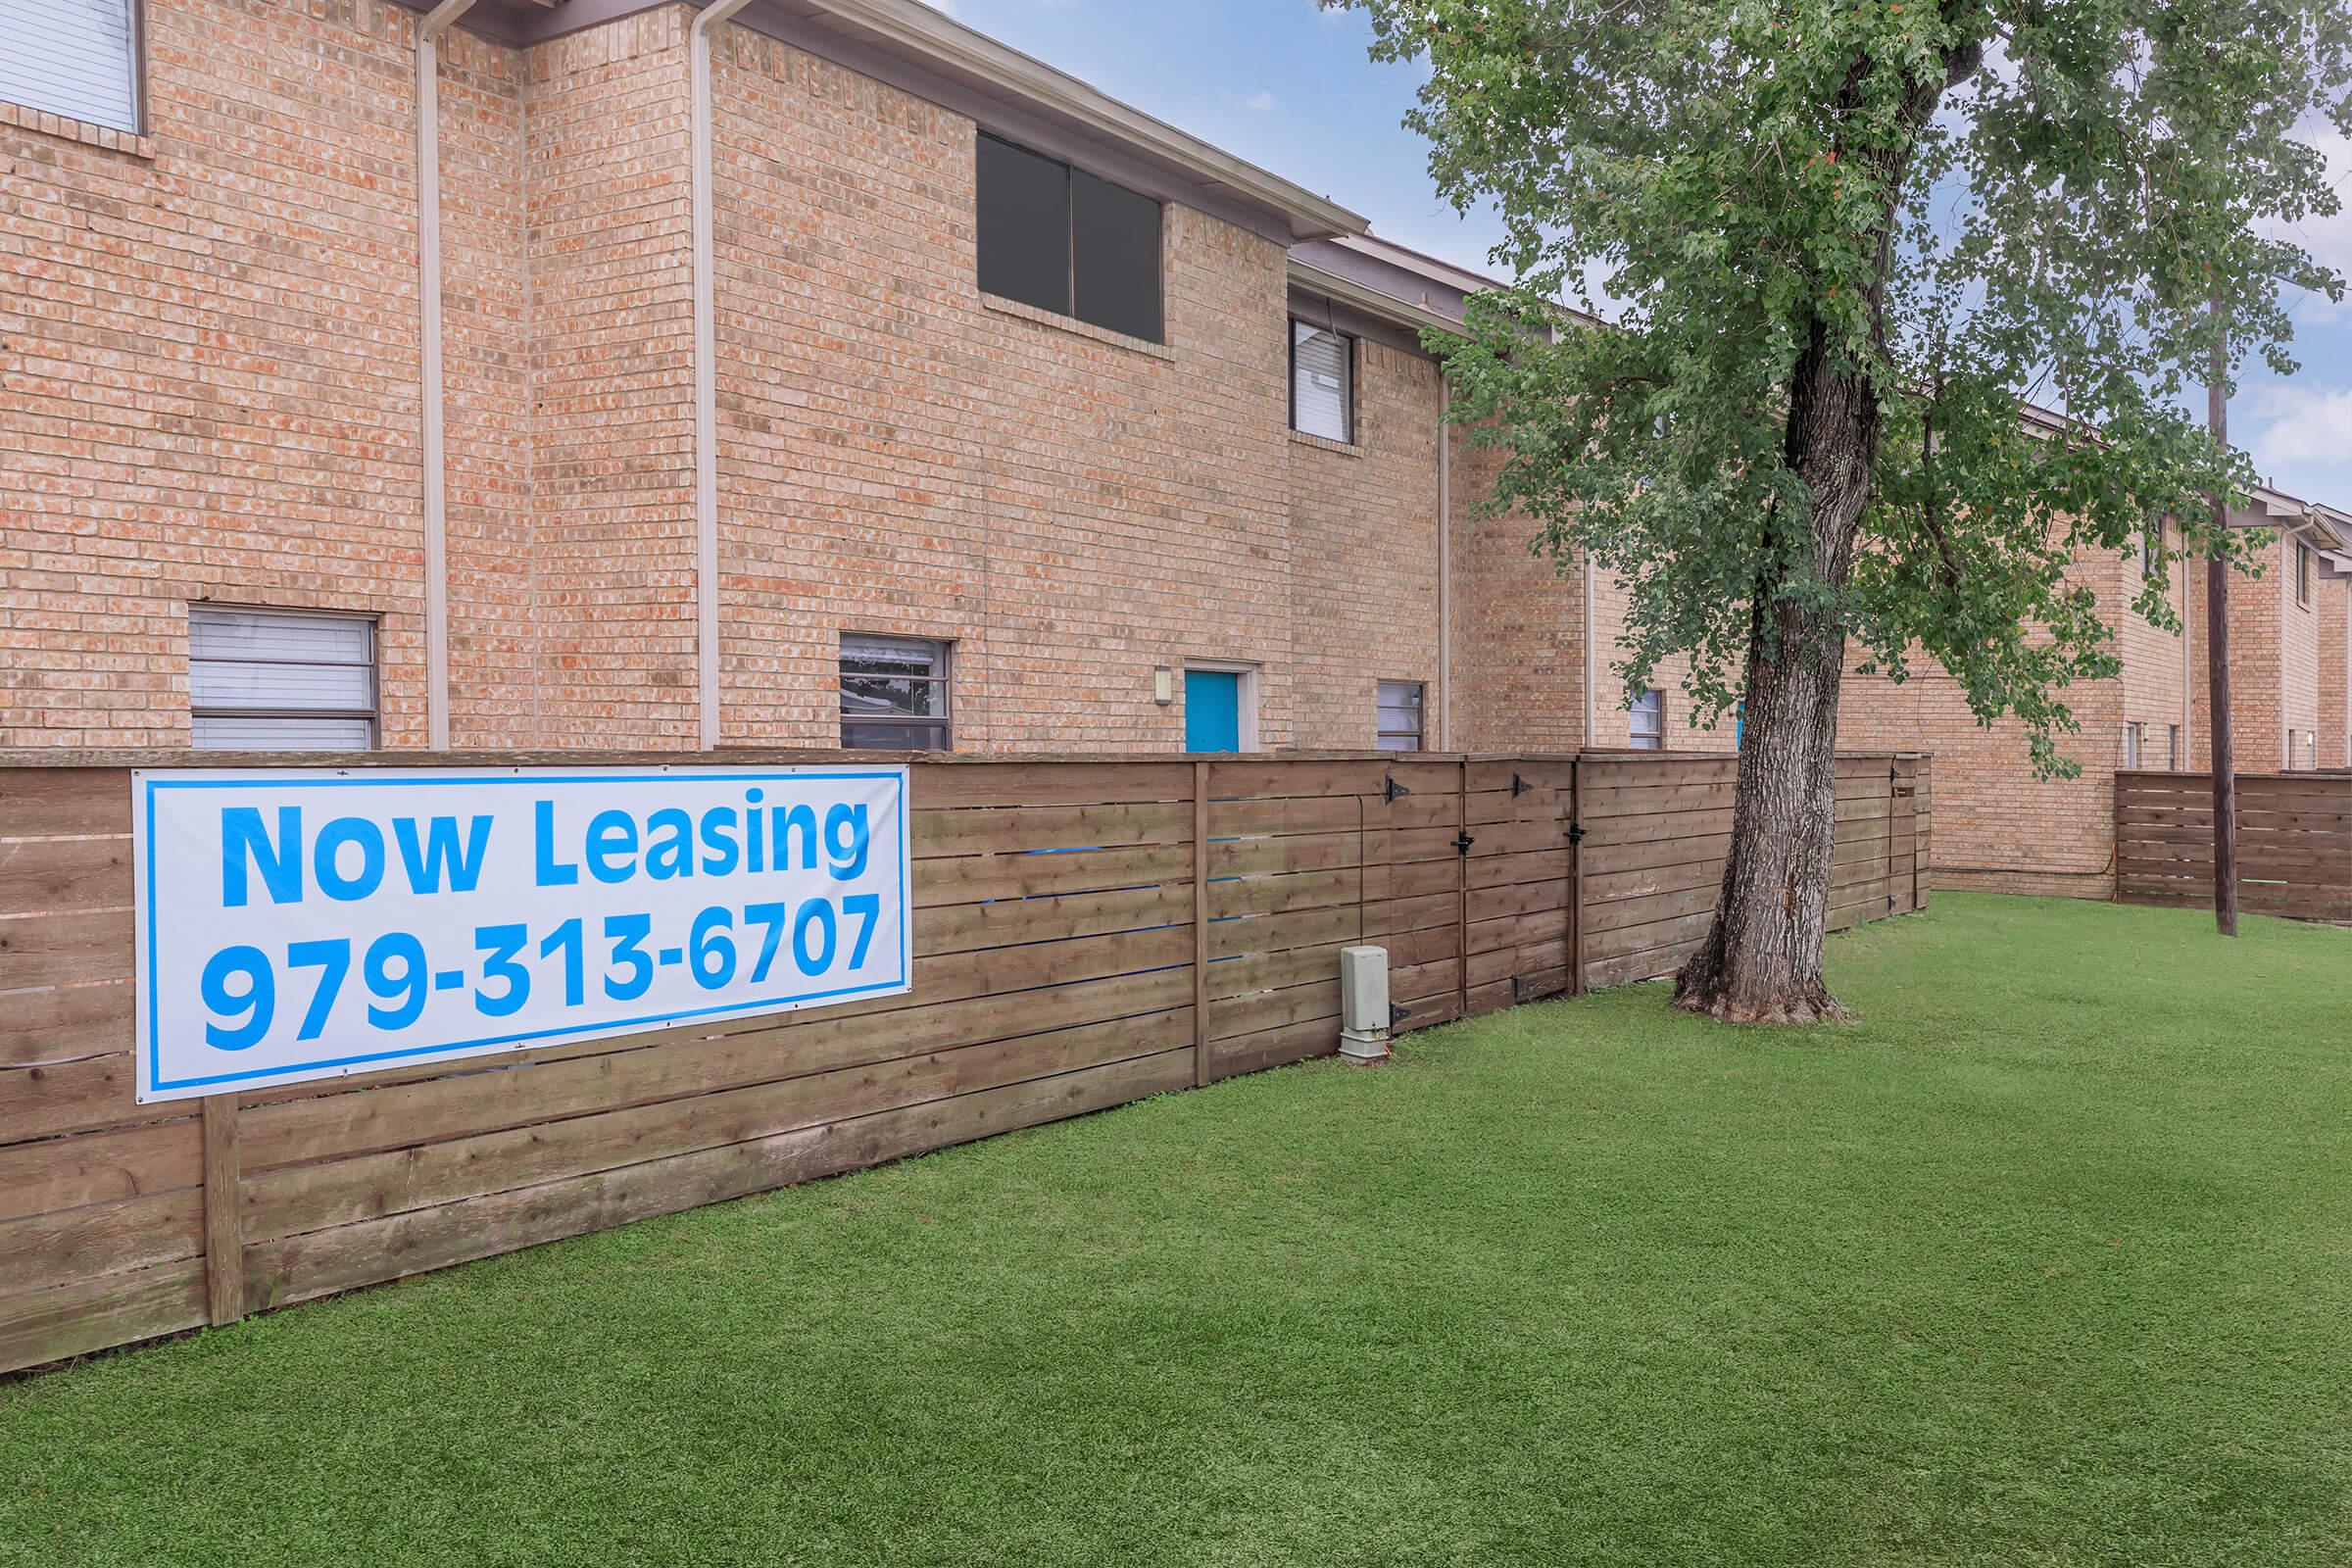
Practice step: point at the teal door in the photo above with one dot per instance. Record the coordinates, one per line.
(1212, 711)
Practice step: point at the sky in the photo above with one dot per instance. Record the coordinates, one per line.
(1292, 88)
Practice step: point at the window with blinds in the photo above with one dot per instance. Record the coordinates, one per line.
(280, 680)
(1322, 382)
(1649, 725)
(893, 694)
(76, 58)
(1400, 724)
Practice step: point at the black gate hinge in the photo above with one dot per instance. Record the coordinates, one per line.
(1397, 1015)
(1891, 776)
(1519, 786)
(1463, 842)
(1576, 832)
(1393, 790)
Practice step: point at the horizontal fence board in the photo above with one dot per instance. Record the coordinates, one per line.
(62, 1246)
(56, 802)
(64, 950)
(47, 876)
(51, 1174)
(99, 1313)
(59, 1023)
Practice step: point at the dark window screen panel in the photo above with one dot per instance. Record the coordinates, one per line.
(1024, 227)
(1117, 236)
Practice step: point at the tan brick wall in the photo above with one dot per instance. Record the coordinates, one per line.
(209, 361)
(2335, 671)
(2257, 669)
(486, 379)
(1999, 828)
(1518, 645)
(609, 179)
(2298, 663)
(898, 456)
(1365, 556)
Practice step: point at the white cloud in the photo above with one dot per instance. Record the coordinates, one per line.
(1258, 102)
(2300, 438)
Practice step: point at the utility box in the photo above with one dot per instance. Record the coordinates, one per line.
(1364, 1005)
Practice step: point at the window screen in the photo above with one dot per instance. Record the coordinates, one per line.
(1066, 241)
(76, 58)
(1322, 373)
(1400, 705)
(1649, 725)
(1024, 226)
(269, 680)
(1115, 245)
(893, 694)
(2132, 747)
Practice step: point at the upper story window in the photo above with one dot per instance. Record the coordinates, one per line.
(1067, 241)
(893, 694)
(75, 58)
(1649, 725)
(1399, 723)
(2303, 557)
(1322, 382)
(280, 680)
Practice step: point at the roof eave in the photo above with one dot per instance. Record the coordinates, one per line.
(942, 44)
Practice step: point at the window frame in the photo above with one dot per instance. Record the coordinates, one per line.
(373, 715)
(1418, 734)
(2172, 748)
(1071, 172)
(136, 27)
(1348, 413)
(943, 651)
(1652, 740)
(2132, 746)
(2305, 557)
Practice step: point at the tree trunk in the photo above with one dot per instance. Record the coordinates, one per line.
(1761, 962)
(2217, 654)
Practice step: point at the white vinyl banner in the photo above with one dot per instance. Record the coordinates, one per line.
(306, 923)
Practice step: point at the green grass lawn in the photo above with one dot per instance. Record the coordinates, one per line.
(2045, 1259)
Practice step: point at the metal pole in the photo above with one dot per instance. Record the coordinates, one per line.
(2217, 650)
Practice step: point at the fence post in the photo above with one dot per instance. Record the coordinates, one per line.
(1461, 907)
(1200, 924)
(1576, 875)
(224, 1211)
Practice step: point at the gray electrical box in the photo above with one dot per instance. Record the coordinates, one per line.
(1365, 1004)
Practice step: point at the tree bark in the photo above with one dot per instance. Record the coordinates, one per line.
(1761, 962)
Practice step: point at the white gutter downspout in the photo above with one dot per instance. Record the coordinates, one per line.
(431, 438)
(1592, 648)
(705, 379)
(1444, 565)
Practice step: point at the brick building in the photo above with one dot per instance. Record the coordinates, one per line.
(355, 393)
(1999, 828)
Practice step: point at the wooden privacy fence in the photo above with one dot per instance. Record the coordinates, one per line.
(2294, 843)
(1086, 933)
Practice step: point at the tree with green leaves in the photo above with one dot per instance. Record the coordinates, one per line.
(1851, 248)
